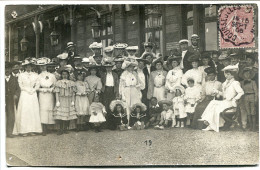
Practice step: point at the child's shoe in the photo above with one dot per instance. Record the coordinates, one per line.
(182, 124)
(161, 127)
(157, 127)
(177, 125)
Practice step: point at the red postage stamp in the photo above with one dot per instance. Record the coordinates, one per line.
(236, 26)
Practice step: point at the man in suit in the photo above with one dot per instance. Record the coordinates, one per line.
(15, 74)
(149, 57)
(194, 48)
(185, 53)
(118, 67)
(11, 87)
(110, 89)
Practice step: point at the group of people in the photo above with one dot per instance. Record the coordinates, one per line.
(116, 89)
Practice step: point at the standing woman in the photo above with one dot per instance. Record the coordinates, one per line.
(46, 96)
(156, 87)
(231, 92)
(63, 62)
(94, 82)
(209, 89)
(173, 77)
(28, 117)
(205, 64)
(129, 86)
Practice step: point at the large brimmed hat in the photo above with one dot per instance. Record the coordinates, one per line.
(148, 54)
(184, 41)
(195, 36)
(85, 60)
(132, 48)
(108, 49)
(210, 70)
(77, 57)
(63, 56)
(120, 45)
(206, 55)
(116, 102)
(143, 60)
(29, 61)
(179, 87)
(168, 102)
(193, 58)
(42, 61)
(68, 68)
(173, 58)
(148, 44)
(223, 56)
(231, 68)
(95, 45)
(119, 59)
(251, 70)
(158, 60)
(70, 44)
(141, 105)
(129, 61)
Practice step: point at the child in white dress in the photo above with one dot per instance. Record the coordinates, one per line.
(178, 106)
(191, 98)
(97, 112)
(167, 115)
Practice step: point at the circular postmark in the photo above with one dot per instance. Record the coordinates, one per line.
(236, 26)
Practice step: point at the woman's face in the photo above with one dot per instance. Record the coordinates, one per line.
(138, 110)
(80, 77)
(211, 76)
(205, 61)
(175, 64)
(247, 75)
(158, 66)
(28, 68)
(43, 68)
(64, 75)
(190, 83)
(118, 65)
(154, 102)
(195, 64)
(141, 64)
(228, 76)
(98, 59)
(93, 72)
(215, 57)
(130, 68)
(63, 63)
(119, 108)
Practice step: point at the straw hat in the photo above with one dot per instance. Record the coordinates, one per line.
(63, 56)
(85, 60)
(120, 45)
(143, 106)
(42, 61)
(179, 87)
(195, 36)
(108, 49)
(129, 48)
(168, 102)
(210, 70)
(70, 44)
(116, 102)
(119, 59)
(148, 44)
(129, 61)
(95, 45)
(223, 56)
(231, 68)
(29, 61)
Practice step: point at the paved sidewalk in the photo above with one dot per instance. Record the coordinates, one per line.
(168, 147)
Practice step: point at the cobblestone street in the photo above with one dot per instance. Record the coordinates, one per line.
(116, 148)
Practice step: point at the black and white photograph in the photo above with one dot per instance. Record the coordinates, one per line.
(131, 85)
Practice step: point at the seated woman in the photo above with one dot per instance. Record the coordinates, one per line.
(231, 92)
(209, 89)
(118, 116)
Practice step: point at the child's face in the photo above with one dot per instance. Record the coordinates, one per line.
(64, 75)
(205, 61)
(165, 107)
(190, 83)
(93, 72)
(80, 77)
(119, 108)
(195, 64)
(158, 66)
(211, 77)
(138, 110)
(174, 64)
(247, 75)
(154, 102)
(178, 92)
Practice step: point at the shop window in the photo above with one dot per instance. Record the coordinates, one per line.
(107, 30)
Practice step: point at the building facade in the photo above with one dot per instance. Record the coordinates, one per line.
(162, 24)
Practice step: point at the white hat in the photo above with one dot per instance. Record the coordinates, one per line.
(223, 56)
(42, 61)
(63, 56)
(129, 61)
(70, 44)
(108, 49)
(183, 41)
(120, 45)
(85, 60)
(132, 48)
(29, 61)
(95, 45)
(231, 68)
(195, 36)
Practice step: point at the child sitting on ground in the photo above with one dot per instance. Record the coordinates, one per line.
(154, 113)
(137, 117)
(119, 116)
(98, 112)
(167, 115)
(178, 107)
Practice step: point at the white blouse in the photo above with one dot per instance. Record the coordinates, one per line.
(47, 79)
(173, 78)
(192, 73)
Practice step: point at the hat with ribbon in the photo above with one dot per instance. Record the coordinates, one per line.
(148, 44)
(29, 61)
(63, 56)
(85, 60)
(179, 87)
(195, 36)
(129, 61)
(95, 45)
(114, 103)
(108, 49)
(42, 61)
(70, 44)
(231, 68)
(184, 41)
(141, 105)
(132, 48)
(210, 70)
(168, 102)
(120, 45)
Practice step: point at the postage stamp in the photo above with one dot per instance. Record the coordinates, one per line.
(236, 26)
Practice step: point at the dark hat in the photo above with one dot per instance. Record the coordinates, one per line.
(168, 102)
(193, 58)
(174, 58)
(148, 44)
(205, 55)
(210, 70)
(143, 60)
(148, 54)
(98, 56)
(70, 44)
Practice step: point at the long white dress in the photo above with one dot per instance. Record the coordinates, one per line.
(173, 79)
(28, 116)
(231, 90)
(196, 74)
(129, 89)
(46, 97)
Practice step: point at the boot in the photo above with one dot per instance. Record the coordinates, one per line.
(177, 124)
(182, 124)
(253, 123)
(96, 129)
(60, 131)
(65, 127)
(44, 130)
(250, 123)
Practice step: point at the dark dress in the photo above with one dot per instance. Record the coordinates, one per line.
(118, 119)
(134, 119)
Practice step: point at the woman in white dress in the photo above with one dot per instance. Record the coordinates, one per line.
(231, 92)
(129, 85)
(27, 119)
(173, 77)
(46, 96)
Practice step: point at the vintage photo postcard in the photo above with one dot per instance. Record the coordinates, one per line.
(131, 85)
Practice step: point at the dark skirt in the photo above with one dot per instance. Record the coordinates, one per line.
(199, 111)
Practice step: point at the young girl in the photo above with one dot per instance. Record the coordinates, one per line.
(178, 107)
(65, 102)
(119, 116)
(97, 112)
(167, 115)
(191, 98)
(82, 103)
(137, 117)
